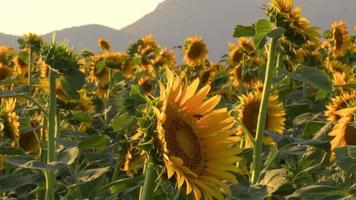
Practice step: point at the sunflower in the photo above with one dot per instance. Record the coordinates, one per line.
(10, 121)
(5, 72)
(248, 115)
(148, 45)
(29, 142)
(245, 47)
(146, 84)
(104, 44)
(298, 28)
(44, 72)
(341, 79)
(339, 67)
(338, 103)
(236, 75)
(209, 73)
(4, 54)
(195, 51)
(165, 58)
(340, 40)
(134, 161)
(194, 139)
(344, 131)
(20, 69)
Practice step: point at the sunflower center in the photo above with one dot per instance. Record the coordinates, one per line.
(195, 50)
(350, 135)
(182, 141)
(250, 116)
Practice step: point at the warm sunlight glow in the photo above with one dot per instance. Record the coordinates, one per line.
(43, 16)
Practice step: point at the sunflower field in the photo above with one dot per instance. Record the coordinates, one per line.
(274, 119)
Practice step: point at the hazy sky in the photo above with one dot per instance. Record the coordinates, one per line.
(43, 16)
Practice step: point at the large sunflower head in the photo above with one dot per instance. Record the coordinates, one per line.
(9, 121)
(195, 51)
(195, 140)
(337, 103)
(344, 131)
(341, 39)
(248, 114)
(335, 66)
(298, 28)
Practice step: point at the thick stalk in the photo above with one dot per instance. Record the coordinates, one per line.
(261, 121)
(52, 134)
(150, 176)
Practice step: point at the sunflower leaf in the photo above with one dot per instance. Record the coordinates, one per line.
(96, 141)
(321, 192)
(244, 31)
(346, 158)
(68, 89)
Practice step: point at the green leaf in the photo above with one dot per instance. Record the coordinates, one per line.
(28, 163)
(69, 155)
(100, 66)
(97, 156)
(21, 90)
(244, 31)
(75, 78)
(121, 122)
(124, 184)
(13, 181)
(320, 192)
(23, 55)
(91, 174)
(311, 76)
(136, 94)
(5, 150)
(346, 158)
(96, 141)
(276, 32)
(263, 28)
(82, 116)
(275, 180)
(242, 192)
(322, 144)
(68, 89)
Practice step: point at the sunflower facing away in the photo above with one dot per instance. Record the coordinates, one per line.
(104, 44)
(248, 115)
(195, 140)
(344, 131)
(9, 121)
(298, 28)
(341, 40)
(195, 51)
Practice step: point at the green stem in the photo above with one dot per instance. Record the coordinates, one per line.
(52, 134)
(261, 121)
(150, 176)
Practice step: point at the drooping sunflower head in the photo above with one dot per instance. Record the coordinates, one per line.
(104, 44)
(20, 69)
(209, 73)
(195, 51)
(31, 41)
(99, 73)
(194, 139)
(134, 160)
(344, 131)
(298, 28)
(341, 39)
(10, 121)
(165, 58)
(147, 45)
(239, 75)
(337, 103)
(335, 66)
(248, 114)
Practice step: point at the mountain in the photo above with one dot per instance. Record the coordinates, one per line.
(173, 20)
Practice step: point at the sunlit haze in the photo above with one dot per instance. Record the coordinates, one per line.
(43, 16)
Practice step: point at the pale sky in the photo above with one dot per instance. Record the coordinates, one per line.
(43, 16)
